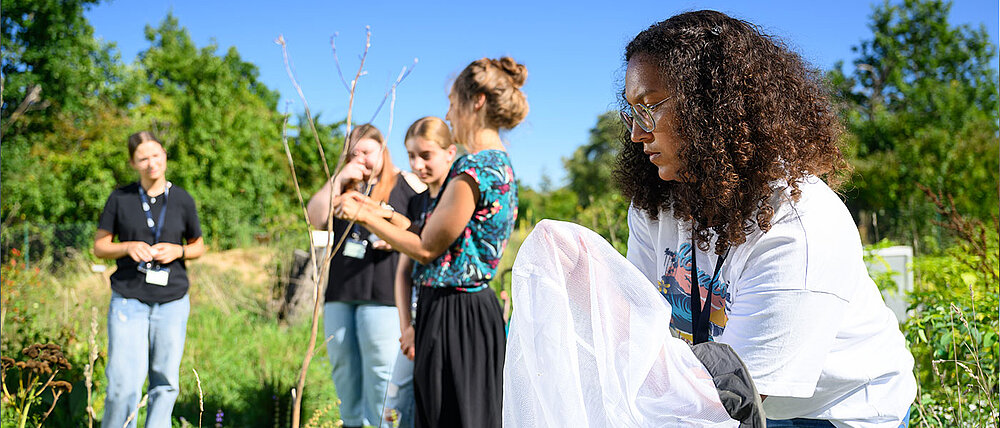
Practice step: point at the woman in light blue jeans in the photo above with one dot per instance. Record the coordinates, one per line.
(156, 225)
(359, 315)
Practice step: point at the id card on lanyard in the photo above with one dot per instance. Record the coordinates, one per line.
(355, 247)
(155, 274)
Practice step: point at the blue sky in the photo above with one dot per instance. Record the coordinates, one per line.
(572, 50)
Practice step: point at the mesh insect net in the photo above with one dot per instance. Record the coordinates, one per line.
(589, 344)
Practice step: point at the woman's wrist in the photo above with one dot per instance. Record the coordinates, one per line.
(183, 252)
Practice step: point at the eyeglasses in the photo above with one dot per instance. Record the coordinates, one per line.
(644, 113)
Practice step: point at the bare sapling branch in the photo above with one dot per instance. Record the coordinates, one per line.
(330, 248)
(321, 269)
(402, 75)
(352, 86)
(312, 125)
(298, 190)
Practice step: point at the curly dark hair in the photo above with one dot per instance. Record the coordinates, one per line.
(751, 111)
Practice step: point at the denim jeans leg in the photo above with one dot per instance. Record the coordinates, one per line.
(128, 346)
(400, 393)
(378, 340)
(345, 359)
(167, 330)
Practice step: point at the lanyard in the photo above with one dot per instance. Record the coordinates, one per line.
(356, 229)
(155, 227)
(700, 317)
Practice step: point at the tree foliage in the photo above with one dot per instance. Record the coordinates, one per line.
(221, 128)
(219, 123)
(589, 168)
(588, 198)
(920, 107)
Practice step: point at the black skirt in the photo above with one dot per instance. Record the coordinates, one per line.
(458, 367)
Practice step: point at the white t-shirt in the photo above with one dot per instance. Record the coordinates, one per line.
(797, 305)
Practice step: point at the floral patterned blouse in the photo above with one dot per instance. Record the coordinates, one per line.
(471, 261)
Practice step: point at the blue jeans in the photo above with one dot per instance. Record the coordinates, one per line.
(363, 339)
(400, 395)
(144, 340)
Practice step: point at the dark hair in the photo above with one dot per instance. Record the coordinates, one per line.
(138, 138)
(500, 80)
(751, 113)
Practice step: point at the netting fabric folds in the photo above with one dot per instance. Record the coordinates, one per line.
(589, 344)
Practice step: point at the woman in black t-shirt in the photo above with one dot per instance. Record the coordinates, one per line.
(157, 229)
(359, 315)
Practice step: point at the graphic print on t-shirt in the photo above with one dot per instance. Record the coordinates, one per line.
(675, 286)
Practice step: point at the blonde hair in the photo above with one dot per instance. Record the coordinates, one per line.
(432, 129)
(387, 176)
(500, 81)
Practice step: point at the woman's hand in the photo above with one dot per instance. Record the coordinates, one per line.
(139, 251)
(406, 342)
(353, 206)
(166, 252)
(381, 245)
(353, 171)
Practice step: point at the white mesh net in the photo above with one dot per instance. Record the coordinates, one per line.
(589, 344)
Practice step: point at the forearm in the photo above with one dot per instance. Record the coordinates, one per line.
(318, 208)
(193, 249)
(403, 291)
(106, 249)
(402, 240)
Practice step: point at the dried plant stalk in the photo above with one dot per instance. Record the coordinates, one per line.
(88, 370)
(201, 397)
(322, 270)
(135, 413)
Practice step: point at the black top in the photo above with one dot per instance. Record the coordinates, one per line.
(371, 278)
(123, 217)
(418, 211)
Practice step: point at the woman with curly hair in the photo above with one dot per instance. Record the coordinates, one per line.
(730, 136)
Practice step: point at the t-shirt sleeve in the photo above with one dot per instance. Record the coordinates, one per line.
(469, 165)
(782, 328)
(107, 219)
(192, 226)
(641, 251)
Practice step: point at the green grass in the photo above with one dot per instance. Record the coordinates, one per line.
(247, 361)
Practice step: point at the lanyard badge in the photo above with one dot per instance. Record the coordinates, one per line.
(155, 274)
(355, 247)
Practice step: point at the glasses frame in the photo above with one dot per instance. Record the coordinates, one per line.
(644, 112)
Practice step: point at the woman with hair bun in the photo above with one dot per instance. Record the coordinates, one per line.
(459, 334)
(728, 136)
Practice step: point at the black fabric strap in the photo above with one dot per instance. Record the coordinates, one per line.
(700, 316)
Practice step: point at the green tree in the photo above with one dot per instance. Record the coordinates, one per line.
(589, 197)
(308, 164)
(50, 44)
(589, 168)
(64, 112)
(222, 131)
(921, 107)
